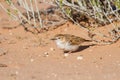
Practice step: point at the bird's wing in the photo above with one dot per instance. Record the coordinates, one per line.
(75, 40)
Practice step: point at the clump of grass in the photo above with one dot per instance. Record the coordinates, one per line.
(15, 13)
(90, 14)
(28, 13)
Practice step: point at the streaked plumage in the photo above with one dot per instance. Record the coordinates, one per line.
(68, 42)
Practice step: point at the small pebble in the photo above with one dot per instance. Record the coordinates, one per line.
(55, 75)
(96, 66)
(52, 49)
(46, 54)
(79, 58)
(3, 52)
(110, 55)
(16, 72)
(31, 60)
(10, 33)
(66, 54)
(101, 58)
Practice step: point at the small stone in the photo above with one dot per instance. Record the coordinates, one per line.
(3, 52)
(96, 66)
(79, 58)
(52, 49)
(101, 58)
(66, 54)
(31, 60)
(55, 75)
(110, 55)
(46, 54)
(10, 33)
(16, 72)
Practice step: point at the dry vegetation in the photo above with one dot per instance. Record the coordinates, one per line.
(88, 14)
(27, 53)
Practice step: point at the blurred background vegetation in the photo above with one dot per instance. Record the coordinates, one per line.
(87, 14)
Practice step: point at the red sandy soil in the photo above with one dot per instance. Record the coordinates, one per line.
(26, 56)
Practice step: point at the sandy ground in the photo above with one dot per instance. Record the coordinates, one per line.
(26, 56)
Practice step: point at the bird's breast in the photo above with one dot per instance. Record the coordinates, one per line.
(66, 46)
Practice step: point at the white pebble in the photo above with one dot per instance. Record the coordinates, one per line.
(16, 72)
(52, 49)
(55, 75)
(110, 55)
(96, 66)
(31, 60)
(79, 58)
(10, 33)
(46, 54)
(66, 54)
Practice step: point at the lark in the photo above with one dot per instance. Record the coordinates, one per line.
(68, 42)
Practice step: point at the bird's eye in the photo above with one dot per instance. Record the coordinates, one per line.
(58, 37)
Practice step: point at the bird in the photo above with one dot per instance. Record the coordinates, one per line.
(68, 42)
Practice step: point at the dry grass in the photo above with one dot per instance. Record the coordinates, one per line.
(88, 14)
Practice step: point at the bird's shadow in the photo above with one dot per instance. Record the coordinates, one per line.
(81, 48)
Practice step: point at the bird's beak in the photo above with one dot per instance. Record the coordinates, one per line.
(53, 39)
